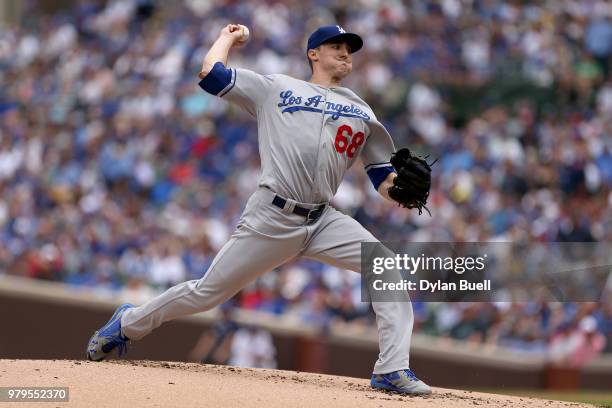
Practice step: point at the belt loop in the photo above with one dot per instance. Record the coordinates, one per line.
(289, 206)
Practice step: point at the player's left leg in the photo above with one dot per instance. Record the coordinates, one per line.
(336, 240)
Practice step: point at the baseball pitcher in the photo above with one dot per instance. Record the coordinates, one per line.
(309, 133)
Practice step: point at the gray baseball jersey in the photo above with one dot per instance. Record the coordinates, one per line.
(309, 136)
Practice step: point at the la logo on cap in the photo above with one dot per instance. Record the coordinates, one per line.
(342, 31)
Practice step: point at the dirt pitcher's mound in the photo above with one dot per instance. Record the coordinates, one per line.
(160, 384)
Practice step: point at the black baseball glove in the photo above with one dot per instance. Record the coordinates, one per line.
(411, 186)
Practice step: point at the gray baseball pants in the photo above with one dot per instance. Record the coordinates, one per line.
(267, 237)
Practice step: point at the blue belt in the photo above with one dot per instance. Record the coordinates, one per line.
(312, 215)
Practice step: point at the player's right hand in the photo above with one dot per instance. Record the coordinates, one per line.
(232, 31)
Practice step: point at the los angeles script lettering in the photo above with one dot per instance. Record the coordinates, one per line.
(287, 99)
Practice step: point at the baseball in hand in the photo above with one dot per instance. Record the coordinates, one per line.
(245, 35)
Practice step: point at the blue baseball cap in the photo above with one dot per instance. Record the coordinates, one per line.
(323, 34)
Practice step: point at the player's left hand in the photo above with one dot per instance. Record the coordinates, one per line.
(411, 186)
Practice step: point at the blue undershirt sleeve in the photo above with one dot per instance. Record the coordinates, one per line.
(378, 173)
(219, 80)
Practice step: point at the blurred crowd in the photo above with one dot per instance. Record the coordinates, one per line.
(228, 342)
(118, 173)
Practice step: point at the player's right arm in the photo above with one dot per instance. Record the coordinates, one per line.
(229, 35)
(241, 86)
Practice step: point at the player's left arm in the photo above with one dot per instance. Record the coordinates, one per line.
(383, 188)
(376, 153)
(399, 176)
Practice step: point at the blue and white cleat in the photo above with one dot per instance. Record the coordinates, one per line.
(109, 337)
(402, 381)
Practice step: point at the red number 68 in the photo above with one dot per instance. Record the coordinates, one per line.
(342, 140)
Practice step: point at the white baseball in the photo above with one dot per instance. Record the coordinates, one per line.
(245, 34)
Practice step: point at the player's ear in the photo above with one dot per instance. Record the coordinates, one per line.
(313, 54)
